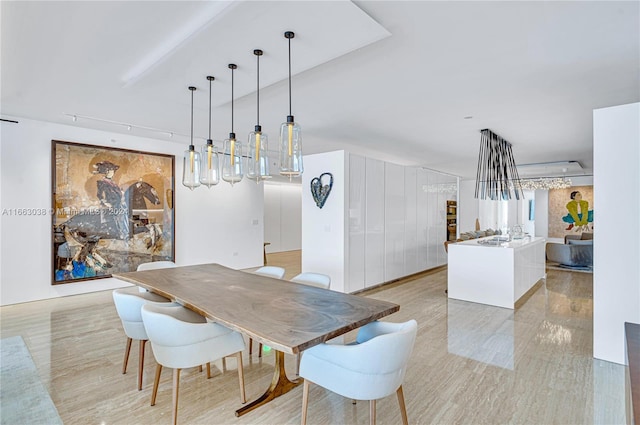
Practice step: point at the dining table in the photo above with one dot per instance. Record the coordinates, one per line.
(286, 316)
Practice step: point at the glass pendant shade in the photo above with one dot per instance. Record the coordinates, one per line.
(191, 160)
(291, 149)
(232, 160)
(191, 168)
(210, 166)
(258, 162)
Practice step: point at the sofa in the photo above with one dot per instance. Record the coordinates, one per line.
(575, 252)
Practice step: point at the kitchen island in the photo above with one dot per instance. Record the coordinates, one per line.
(493, 271)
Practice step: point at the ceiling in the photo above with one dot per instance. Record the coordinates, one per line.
(408, 82)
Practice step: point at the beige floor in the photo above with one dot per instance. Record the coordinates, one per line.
(472, 364)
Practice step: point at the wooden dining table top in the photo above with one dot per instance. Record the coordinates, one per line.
(286, 316)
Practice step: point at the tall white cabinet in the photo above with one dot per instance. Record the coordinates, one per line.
(394, 220)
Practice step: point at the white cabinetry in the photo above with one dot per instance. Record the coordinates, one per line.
(393, 221)
(391, 224)
(410, 222)
(374, 216)
(357, 223)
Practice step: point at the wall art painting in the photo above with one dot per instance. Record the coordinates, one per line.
(571, 211)
(112, 209)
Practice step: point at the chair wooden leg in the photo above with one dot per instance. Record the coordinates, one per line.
(156, 381)
(372, 412)
(200, 368)
(224, 364)
(403, 408)
(208, 370)
(176, 388)
(298, 356)
(260, 350)
(126, 355)
(305, 401)
(250, 346)
(141, 363)
(243, 397)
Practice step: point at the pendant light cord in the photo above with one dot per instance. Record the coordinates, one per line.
(258, 91)
(232, 100)
(289, 76)
(210, 109)
(192, 116)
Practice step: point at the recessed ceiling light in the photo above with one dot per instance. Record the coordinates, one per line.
(468, 117)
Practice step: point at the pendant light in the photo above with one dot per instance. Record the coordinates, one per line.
(258, 159)
(232, 160)
(290, 135)
(210, 167)
(191, 160)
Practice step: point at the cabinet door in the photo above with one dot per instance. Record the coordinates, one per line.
(422, 215)
(433, 240)
(394, 222)
(410, 222)
(356, 216)
(374, 223)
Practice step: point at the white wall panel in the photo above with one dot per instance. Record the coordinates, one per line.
(374, 215)
(393, 221)
(616, 240)
(434, 239)
(422, 219)
(410, 222)
(324, 233)
(357, 225)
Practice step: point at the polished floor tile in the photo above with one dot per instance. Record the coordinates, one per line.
(472, 364)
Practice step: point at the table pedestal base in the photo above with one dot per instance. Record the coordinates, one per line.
(280, 384)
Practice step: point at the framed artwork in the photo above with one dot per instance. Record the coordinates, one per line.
(112, 209)
(571, 211)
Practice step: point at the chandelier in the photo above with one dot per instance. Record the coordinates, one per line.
(497, 175)
(209, 166)
(545, 183)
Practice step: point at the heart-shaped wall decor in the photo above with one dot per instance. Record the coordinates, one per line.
(320, 191)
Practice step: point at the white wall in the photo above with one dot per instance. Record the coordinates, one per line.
(221, 224)
(323, 229)
(616, 278)
(283, 216)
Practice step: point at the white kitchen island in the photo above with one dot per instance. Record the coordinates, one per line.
(497, 275)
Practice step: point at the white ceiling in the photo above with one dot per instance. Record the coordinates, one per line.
(392, 80)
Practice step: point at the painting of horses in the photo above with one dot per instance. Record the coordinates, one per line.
(112, 209)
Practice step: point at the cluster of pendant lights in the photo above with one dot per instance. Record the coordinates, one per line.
(204, 168)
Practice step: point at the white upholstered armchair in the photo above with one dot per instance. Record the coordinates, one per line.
(181, 338)
(129, 302)
(371, 369)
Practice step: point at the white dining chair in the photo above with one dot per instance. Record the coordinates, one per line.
(128, 302)
(154, 265)
(181, 338)
(269, 271)
(313, 279)
(372, 368)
